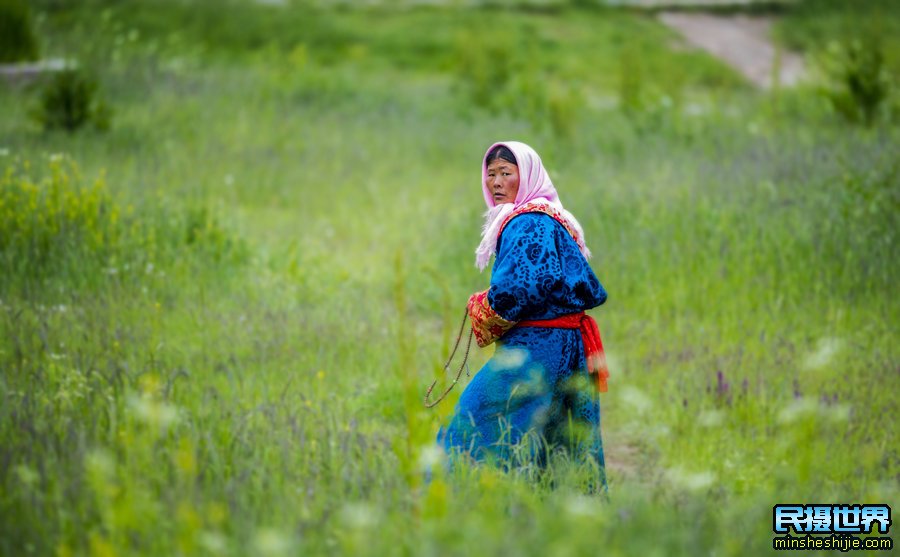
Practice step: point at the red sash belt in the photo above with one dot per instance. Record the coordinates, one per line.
(590, 335)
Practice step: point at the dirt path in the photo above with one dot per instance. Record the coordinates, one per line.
(741, 41)
(625, 463)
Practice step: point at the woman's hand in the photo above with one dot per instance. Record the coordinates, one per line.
(487, 325)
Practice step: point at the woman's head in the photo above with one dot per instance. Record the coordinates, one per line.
(513, 173)
(502, 175)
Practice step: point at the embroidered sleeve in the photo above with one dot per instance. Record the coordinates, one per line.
(487, 324)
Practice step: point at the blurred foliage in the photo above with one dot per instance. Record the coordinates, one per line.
(811, 26)
(47, 221)
(227, 28)
(857, 81)
(871, 206)
(856, 48)
(18, 42)
(235, 366)
(70, 100)
(466, 43)
(498, 73)
(64, 226)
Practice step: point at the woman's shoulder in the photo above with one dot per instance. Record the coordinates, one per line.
(531, 220)
(533, 224)
(532, 228)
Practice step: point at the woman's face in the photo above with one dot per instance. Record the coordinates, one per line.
(503, 181)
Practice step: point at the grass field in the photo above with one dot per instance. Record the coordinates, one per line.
(218, 318)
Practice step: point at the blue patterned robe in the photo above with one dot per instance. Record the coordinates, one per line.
(536, 383)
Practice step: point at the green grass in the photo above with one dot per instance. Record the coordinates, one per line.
(256, 390)
(813, 25)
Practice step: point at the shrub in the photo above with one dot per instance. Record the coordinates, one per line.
(43, 221)
(870, 208)
(857, 83)
(64, 225)
(496, 76)
(70, 100)
(17, 39)
(632, 85)
(485, 67)
(564, 107)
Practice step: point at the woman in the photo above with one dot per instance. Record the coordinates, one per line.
(537, 384)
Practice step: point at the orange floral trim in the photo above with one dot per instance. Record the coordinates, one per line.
(487, 325)
(541, 208)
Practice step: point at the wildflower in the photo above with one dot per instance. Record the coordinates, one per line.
(636, 398)
(213, 542)
(827, 400)
(153, 412)
(691, 481)
(581, 505)
(800, 408)
(826, 349)
(723, 388)
(510, 358)
(431, 456)
(27, 475)
(358, 515)
(711, 418)
(269, 541)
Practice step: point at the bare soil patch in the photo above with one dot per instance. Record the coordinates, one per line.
(743, 42)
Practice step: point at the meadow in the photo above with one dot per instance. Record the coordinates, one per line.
(219, 316)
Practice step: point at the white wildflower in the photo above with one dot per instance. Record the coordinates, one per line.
(358, 515)
(271, 542)
(430, 457)
(213, 542)
(826, 349)
(636, 399)
(692, 481)
(156, 413)
(798, 409)
(711, 418)
(509, 358)
(581, 505)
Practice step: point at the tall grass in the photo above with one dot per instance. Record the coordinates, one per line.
(257, 390)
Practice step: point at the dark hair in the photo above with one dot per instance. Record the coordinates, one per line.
(500, 152)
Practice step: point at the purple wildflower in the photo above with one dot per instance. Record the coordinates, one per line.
(723, 387)
(829, 399)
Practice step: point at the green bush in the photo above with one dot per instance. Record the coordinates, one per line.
(632, 82)
(485, 68)
(65, 225)
(18, 42)
(70, 101)
(494, 75)
(857, 82)
(44, 220)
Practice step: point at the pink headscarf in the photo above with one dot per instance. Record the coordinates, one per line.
(534, 187)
